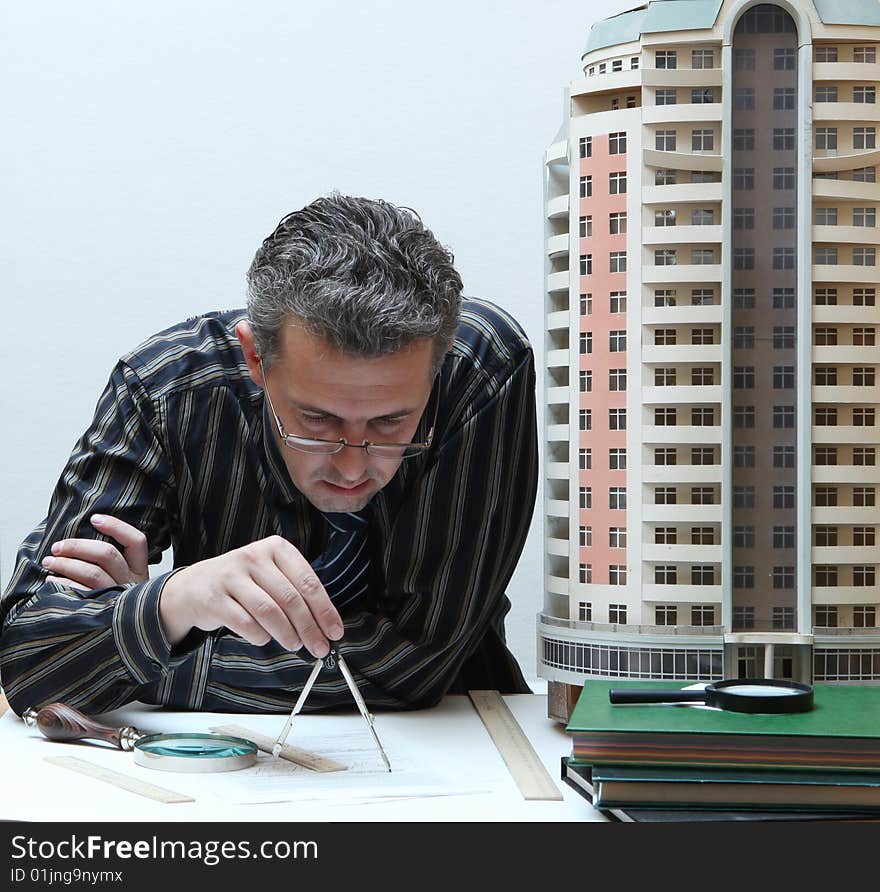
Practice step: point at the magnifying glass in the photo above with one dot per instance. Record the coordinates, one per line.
(197, 752)
(756, 695)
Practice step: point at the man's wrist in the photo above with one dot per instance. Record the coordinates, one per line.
(173, 617)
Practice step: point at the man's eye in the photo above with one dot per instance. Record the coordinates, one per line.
(316, 419)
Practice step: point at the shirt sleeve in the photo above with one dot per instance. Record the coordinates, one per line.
(93, 649)
(451, 552)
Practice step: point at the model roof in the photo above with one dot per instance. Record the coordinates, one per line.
(690, 15)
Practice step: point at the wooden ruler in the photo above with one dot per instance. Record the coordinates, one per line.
(522, 761)
(291, 753)
(123, 781)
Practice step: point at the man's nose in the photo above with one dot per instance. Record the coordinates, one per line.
(351, 463)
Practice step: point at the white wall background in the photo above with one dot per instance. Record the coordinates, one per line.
(147, 151)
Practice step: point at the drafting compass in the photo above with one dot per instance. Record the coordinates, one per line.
(331, 661)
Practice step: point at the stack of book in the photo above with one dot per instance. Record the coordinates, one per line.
(639, 759)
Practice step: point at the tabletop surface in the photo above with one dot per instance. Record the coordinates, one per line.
(445, 768)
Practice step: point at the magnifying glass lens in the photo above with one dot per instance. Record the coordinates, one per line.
(758, 690)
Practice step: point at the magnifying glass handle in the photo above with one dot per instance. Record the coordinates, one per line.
(634, 695)
(61, 722)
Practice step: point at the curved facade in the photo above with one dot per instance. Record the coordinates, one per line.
(711, 382)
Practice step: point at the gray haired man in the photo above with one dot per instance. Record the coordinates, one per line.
(353, 458)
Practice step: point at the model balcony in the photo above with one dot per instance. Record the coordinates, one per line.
(684, 434)
(557, 153)
(558, 320)
(681, 77)
(557, 433)
(857, 395)
(557, 547)
(670, 354)
(684, 553)
(557, 207)
(558, 281)
(682, 315)
(686, 112)
(682, 160)
(682, 594)
(844, 594)
(824, 162)
(557, 395)
(855, 475)
(843, 189)
(682, 272)
(557, 470)
(681, 393)
(678, 235)
(556, 507)
(844, 272)
(672, 514)
(824, 112)
(845, 554)
(557, 245)
(845, 314)
(843, 515)
(853, 235)
(846, 71)
(845, 354)
(842, 435)
(555, 359)
(668, 475)
(692, 193)
(610, 82)
(556, 584)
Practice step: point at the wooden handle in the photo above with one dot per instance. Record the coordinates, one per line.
(58, 721)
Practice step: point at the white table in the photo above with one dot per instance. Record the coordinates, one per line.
(36, 790)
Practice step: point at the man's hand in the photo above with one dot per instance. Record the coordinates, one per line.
(261, 591)
(91, 564)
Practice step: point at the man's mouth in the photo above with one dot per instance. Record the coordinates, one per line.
(348, 490)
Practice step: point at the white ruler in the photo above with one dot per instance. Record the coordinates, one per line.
(522, 761)
(123, 781)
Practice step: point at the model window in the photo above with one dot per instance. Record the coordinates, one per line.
(617, 143)
(864, 137)
(825, 53)
(743, 139)
(744, 98)
(783, 98)
(826, 138)
(664, 140)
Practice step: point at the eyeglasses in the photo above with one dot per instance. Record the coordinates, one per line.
(314, 446)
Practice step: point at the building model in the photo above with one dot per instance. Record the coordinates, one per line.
(711, 369)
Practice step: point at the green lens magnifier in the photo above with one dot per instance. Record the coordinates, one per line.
(198, 752)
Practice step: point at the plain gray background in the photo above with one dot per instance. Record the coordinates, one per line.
(148, 150)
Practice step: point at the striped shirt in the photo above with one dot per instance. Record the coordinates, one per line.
(182, 447)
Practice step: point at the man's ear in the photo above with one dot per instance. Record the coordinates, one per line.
(245, 336)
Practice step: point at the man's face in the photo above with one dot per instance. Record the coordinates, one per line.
(322, 393)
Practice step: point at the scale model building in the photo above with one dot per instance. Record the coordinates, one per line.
(711, 391)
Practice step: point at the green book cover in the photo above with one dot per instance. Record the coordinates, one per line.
(682, 787)
(838, 711)
(841, 732)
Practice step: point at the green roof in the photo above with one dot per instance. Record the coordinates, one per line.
(848, 12)
(661, 15)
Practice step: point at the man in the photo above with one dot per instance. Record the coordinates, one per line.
(353, 460)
